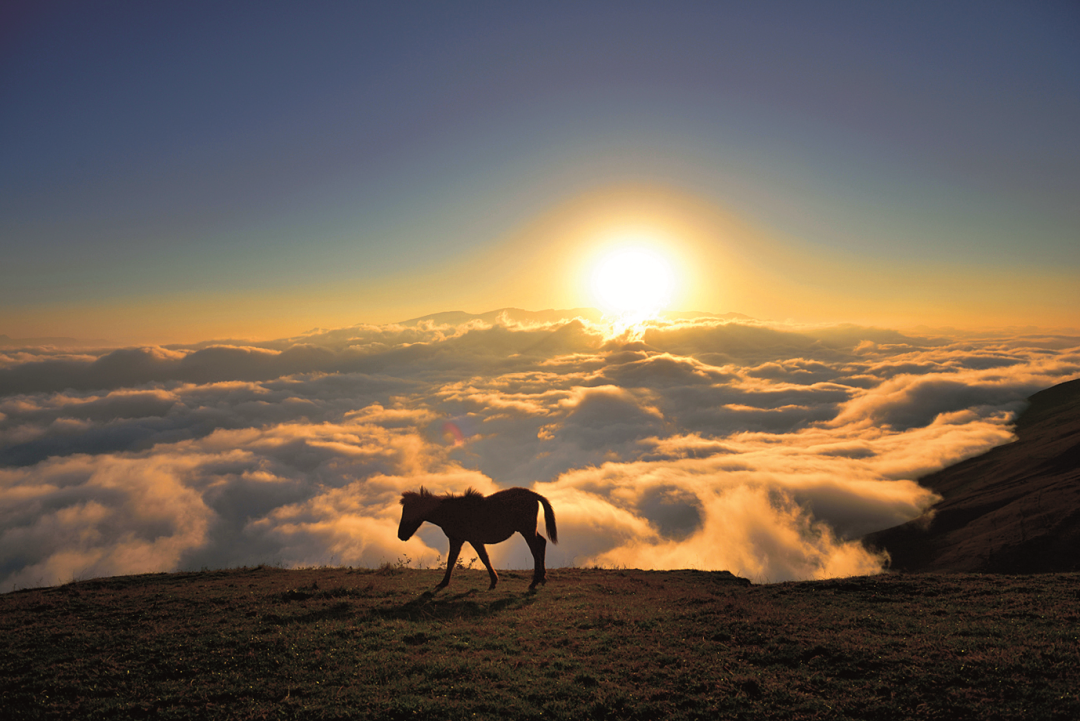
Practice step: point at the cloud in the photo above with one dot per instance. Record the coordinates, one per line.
(605, 418)
(758, 448)
(96, 516)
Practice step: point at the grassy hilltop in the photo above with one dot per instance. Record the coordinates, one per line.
(594, 644)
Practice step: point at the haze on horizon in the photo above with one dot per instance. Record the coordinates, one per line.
(836, 242)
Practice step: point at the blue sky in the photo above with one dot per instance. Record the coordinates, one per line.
(188, 168)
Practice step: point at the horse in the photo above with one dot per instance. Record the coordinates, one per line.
(481, 519)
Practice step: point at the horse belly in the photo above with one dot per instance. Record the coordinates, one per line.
(490, 531)
(493, 536)
(473, 531)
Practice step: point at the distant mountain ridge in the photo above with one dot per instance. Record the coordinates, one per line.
(1014, 509)
(457, 317)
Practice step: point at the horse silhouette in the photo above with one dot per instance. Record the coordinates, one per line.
(481, 519)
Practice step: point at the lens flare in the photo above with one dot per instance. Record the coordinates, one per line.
(452, 435)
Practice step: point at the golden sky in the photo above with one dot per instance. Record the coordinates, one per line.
(716, 261)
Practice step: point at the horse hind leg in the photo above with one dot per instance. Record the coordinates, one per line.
(538, 546)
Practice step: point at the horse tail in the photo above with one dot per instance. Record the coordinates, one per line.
(549, 519)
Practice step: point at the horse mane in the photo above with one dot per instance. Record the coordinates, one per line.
(470, 496)
(409, 497)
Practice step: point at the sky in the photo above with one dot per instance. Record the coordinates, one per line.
(720, 280)
(175, 172)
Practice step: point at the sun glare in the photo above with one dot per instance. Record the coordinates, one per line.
(633, 283)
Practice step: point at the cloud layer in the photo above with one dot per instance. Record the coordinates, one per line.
(706, 443)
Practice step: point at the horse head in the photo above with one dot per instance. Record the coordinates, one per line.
(414, 510)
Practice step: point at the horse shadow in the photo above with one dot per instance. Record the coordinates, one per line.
(431, 605)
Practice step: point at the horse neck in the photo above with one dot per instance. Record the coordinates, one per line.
(428, 506)
(450, 508)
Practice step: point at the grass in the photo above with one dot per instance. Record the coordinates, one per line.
(268, 643)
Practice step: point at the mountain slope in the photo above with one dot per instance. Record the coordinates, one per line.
(1014, 509)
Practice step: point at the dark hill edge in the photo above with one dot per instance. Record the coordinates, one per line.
(1014, 509)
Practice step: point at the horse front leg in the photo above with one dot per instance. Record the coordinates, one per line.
(482, 553)
(451, 559)
(538, 546)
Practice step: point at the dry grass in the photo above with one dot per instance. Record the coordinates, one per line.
(593, 644)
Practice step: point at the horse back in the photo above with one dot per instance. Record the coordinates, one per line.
(489, 519)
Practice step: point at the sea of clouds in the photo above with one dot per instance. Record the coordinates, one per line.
(759, 448)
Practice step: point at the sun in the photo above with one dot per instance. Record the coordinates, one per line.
(633, 283)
